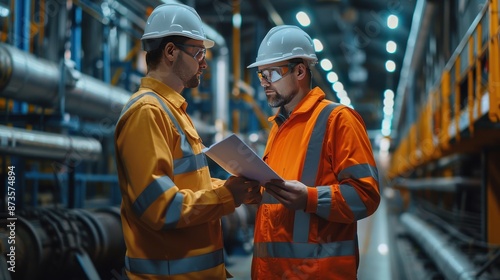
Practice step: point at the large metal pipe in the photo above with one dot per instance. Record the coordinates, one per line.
(66, 243)
(451, 262)
(35, 80)
(21, 142)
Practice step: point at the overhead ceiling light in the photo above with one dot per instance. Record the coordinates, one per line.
(391, 46)
(318, 46)
(303, 18)
(346, 101)
(390, 66)
(338, 87)
(4, 12)
(392, 21)
(341, 94)
(237, 20)
(332, 77)
(326, 64)
(388, 93)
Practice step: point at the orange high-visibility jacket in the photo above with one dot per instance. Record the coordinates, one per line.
(325, 146)
(171, 208)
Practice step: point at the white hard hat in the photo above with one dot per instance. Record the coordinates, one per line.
(173, 19)
(285, 42)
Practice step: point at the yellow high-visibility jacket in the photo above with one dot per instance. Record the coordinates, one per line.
(325, 146)
(171, 207)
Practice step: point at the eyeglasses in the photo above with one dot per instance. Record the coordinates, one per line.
(274, 74)
(199, 55)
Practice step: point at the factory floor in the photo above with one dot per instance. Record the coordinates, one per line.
(375, 248)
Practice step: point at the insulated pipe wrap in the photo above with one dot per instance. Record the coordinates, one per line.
(452, 264)
(21, 142)
(35, 80)
(27, 78)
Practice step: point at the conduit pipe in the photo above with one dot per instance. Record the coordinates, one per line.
(452, 264)
(21, 142)
(27, 78)
(420, 27)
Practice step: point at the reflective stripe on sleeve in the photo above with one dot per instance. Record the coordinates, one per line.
(324, 201)
(174, 211)
(358, 171)
(151, 193)
(352, 198)
(350, 195)
(190, 163)
(303, 250)
(173, 267)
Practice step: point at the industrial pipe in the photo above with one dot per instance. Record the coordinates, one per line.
(451, 263)
(35, 80)
(21, 142)
(67, 243)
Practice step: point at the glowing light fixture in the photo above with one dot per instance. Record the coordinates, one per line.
(391, 46)
(392, 21)
(303, 18)
(390, 66)
(318, 46)
(332, 77)
(326, 64)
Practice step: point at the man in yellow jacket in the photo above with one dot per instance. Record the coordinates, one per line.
(306, 225)
(171, 207)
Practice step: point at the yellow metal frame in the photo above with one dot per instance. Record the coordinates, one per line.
(438, 107)
(494, 58)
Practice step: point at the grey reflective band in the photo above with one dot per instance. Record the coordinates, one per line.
(173, 267)
(315, 146)
(358, 171)
(174, 211)
(303, 250)
(350, 195)
(189, 161)
(311, 163)
(268, 199)
(324, 201)
(151, 193)
(310, 169)
(352, 198)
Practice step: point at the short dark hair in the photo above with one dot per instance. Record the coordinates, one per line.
(153, 57)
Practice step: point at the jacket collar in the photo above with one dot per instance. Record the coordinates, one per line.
(175, 98)
(307, 103)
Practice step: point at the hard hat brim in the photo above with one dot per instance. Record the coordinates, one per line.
(311, 60)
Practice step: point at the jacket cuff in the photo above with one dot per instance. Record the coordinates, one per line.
(226, 199)
(312, 200)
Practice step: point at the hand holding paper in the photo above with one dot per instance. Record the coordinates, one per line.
(238, 159)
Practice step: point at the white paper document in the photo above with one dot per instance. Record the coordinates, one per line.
(237, 158)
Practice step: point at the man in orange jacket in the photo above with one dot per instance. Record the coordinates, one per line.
(171, 208)
(306, 225)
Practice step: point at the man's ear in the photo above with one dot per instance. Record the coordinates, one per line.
(168, 51)
(301, 71)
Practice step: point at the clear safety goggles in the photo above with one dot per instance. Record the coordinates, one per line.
(274, 74)
(199, 55)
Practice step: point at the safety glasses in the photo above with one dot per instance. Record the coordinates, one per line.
(274, 74)
(199, 55)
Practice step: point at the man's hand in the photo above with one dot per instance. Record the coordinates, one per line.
(243, 190)
(291, 193)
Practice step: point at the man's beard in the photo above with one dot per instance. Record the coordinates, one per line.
(192, 82)
(188, 80)
(277, 100)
